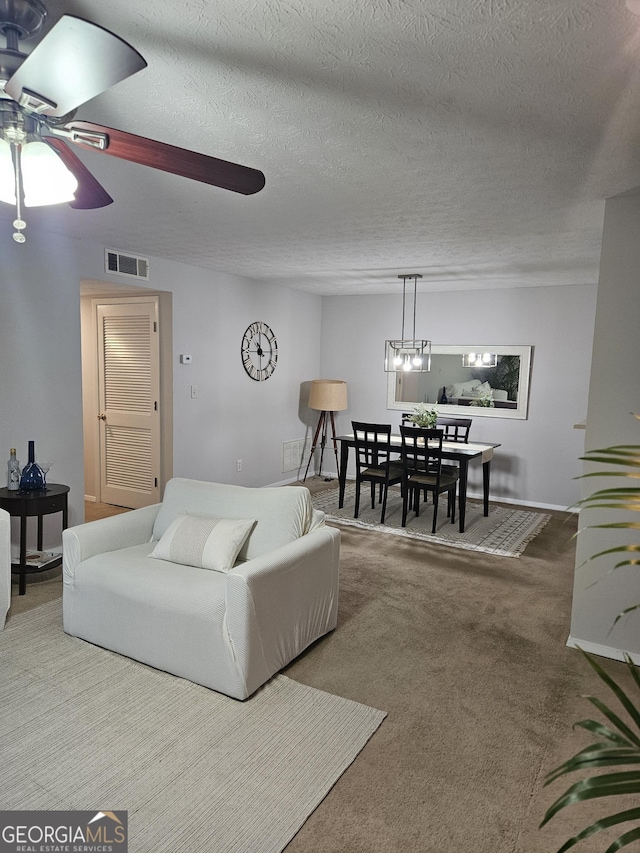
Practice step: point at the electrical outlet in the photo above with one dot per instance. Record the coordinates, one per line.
(238, 465)
(194, 392)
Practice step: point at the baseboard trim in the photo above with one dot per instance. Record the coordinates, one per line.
(478, 496)
(298, 480)
(91, 498)
(601, 650)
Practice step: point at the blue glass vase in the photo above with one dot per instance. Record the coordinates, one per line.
(32, 477)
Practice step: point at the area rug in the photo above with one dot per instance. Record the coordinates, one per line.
(504, 532)
(83, 728)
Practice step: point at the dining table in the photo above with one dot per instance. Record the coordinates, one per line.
(460, 452)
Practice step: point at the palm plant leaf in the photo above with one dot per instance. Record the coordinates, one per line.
(618, 745)
(617, 742)
(619, 693)
(604, 823)
(633, 606)
(627, 838)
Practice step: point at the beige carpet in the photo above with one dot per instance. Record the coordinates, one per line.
(505, 532)
(83, 728)
(468, 658)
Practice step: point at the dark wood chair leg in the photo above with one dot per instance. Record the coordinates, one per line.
(384, 503)
(405, 503)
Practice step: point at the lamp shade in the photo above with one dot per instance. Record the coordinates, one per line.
(328, 395)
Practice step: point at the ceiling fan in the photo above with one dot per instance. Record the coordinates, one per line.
(39, 95)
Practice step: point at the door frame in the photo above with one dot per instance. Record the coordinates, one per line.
(90, 401)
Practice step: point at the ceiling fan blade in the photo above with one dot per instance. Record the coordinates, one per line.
(90, 194)
(169, 158)
(75, 61)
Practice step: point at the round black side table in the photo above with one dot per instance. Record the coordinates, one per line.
(38, 503)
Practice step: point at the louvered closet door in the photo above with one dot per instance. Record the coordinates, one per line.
(129, 394)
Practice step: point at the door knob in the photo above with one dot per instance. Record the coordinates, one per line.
(102, 417)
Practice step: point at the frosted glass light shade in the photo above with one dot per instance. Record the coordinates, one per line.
(45, 178)
(7, 176)
(328, 395)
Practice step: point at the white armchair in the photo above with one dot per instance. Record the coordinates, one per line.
(5, 565)
(228, 630)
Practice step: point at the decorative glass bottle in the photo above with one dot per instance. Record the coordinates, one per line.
(13, 472)
(32, 477)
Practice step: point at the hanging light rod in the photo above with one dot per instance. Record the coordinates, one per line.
(408, 354)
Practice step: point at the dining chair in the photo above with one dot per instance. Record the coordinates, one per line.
(422, 472)
(373, 462)
(454, 429)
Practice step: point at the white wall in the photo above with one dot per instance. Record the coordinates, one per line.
(600, 594)
(233, 418)
(40, 376)
(538, 457)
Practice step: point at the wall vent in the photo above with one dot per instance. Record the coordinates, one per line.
(129, 265)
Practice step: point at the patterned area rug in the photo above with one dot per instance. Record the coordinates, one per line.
(504, 532)
(85, 728)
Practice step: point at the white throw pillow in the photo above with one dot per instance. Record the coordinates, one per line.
(462, 389)
(203, 541)
(482, 390)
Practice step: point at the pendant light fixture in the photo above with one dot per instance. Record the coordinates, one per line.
(31, 173)
(408, 354)
(479, 359)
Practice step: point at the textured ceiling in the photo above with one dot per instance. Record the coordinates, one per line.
(471, 141)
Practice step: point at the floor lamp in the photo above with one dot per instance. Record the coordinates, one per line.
(327, 396)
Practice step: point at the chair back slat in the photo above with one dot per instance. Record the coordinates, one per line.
(422, 452)
(372, 444)
(455, 429)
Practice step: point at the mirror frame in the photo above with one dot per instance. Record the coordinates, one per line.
(520, 412)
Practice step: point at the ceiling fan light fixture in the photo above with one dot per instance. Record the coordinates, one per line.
(45, 178)
(7, 176)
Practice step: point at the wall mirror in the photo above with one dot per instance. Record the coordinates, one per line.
(500, 391)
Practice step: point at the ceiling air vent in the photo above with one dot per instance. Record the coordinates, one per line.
(118, 262)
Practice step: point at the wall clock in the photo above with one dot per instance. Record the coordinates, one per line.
(259, 351)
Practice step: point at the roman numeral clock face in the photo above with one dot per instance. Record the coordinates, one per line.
(259, 351)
